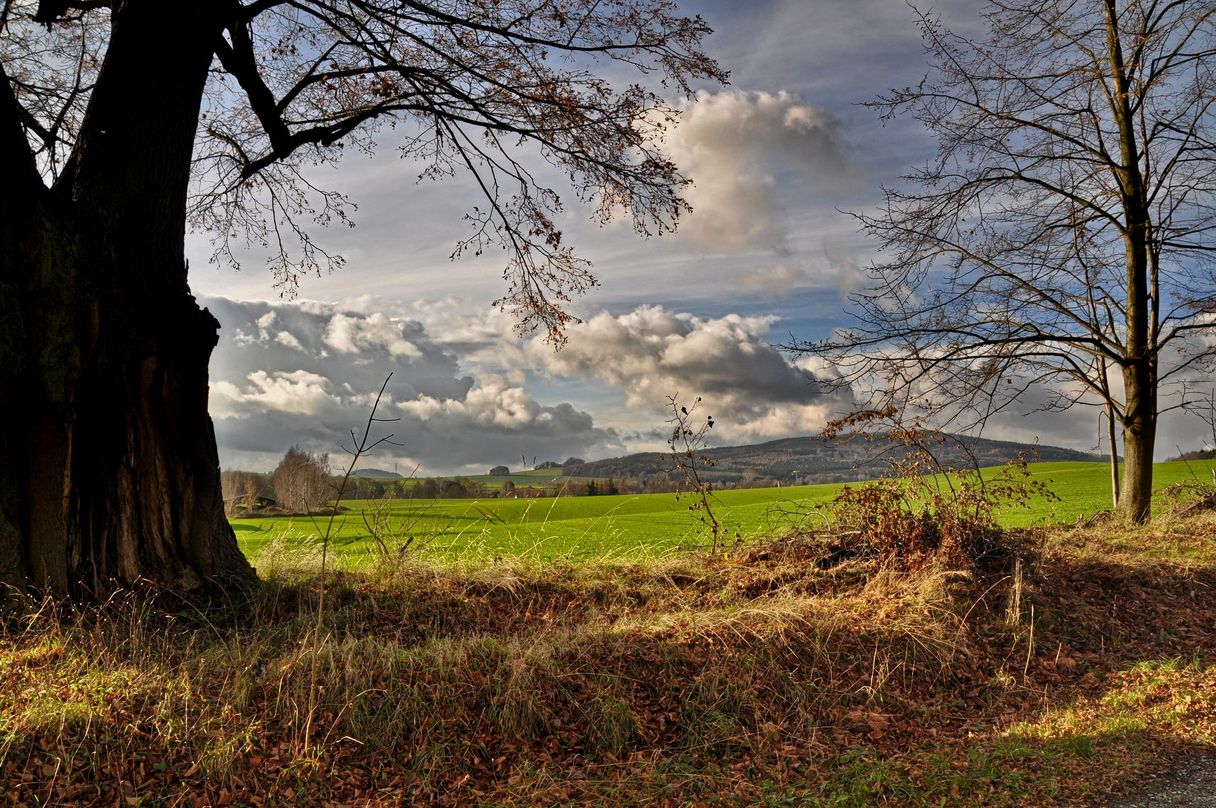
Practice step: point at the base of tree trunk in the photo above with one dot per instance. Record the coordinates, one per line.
(109, 473)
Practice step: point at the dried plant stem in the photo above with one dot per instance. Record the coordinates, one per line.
(360, 446)
(688, 443)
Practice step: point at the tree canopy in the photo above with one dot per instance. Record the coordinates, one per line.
(456, 85)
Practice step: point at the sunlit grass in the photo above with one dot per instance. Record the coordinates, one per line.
(643, 526)
(762, 679)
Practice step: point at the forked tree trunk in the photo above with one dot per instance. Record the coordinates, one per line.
(108, 467)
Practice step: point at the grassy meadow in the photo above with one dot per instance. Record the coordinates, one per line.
(1070, 665)
(524, 477)
(580, 651)
(634, 526)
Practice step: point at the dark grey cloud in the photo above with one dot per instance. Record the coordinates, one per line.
(307, 373)
(650, 353)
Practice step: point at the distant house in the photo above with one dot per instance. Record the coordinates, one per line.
(241, 503)
(499, 471)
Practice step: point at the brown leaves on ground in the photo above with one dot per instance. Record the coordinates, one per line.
(783, 673)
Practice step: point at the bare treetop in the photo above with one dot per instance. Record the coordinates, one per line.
(458, 85)
(1064, 228)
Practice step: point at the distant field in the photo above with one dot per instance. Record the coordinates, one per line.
(536, 477)
(633, 525)
(524, 477)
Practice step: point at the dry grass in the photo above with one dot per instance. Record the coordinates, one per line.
(777, 677)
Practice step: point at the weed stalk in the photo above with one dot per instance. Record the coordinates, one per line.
(360, 446)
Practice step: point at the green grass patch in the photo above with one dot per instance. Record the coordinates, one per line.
(632, 526)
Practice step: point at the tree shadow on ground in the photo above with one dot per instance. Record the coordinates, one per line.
(704, 679)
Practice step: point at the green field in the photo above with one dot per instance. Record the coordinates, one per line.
(631, 526)
(537, 477)
(522, 477)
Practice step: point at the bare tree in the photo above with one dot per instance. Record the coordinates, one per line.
(687, 445)
(123, 120)
(302, 481)
(1060, 243)
(241, 488)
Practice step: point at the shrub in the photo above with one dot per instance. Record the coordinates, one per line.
(923, 512)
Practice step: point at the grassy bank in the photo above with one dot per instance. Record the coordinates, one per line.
(786, 675)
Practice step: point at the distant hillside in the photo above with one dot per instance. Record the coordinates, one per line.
(814, 460)
(1197, 454)
(377, 473)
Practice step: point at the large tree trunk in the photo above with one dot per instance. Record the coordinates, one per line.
(117, 475)
(110, 471)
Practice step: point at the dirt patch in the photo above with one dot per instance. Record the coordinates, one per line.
(1187, 783)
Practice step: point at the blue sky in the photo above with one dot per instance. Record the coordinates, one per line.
(766, 254)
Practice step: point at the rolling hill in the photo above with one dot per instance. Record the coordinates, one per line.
(812, 459)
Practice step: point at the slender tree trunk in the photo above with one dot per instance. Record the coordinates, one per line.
(1139, 440)
(110, 456)
(1112, 443)
(1140, 371)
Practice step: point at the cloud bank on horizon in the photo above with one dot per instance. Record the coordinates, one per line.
(306, 373)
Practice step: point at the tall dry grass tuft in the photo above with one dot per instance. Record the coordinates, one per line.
(923, 512)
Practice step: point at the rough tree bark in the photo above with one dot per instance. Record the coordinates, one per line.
(1139, 433)
(111, 473)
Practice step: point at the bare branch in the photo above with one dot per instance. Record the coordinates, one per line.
(490, 89)
(1064, 226)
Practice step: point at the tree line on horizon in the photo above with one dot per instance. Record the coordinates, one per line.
(304, 482)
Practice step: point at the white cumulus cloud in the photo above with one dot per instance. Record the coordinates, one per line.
(651, 353)
(348, 333)
(741, 150)
(306, 374)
